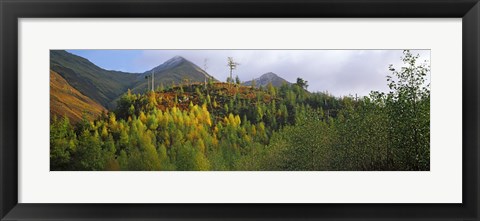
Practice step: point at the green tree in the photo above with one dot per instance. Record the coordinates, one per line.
(408, 104)
(89, 152)
(302, 83)
(62, 144)
(237, 80)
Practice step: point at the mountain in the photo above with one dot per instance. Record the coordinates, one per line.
(105, 86)
(67, 101)
(267, 78)
(100, 85)
(176, 70)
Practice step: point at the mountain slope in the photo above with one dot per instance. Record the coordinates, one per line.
(98, 84)
(67, 101)
(176, 70)
(105, 87)
(267, 78)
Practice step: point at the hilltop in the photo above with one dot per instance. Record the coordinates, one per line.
(176, 70)
(220, 97)
(267, 78)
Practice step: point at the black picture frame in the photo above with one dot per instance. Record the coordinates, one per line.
(12, 10)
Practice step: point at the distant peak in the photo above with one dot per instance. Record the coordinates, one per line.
(177, 58)
(172, 62)
(270, 74)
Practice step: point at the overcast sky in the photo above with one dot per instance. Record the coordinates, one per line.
(340, 72)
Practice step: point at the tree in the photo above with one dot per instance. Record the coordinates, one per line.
(205, 64)
(271, 89)
(148, 82)
(62, 143)
(210, 83)
(237, 80)
(161, 88)
(254, 83)
(186, 81)
(89, 152)
(232, 65)
(302, 83)
(408, 104)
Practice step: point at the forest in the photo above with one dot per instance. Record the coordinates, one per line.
(227, 126)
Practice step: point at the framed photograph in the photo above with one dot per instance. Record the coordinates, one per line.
(249, 110)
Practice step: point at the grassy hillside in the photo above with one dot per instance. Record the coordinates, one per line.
(98, 84)
(67, 101)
